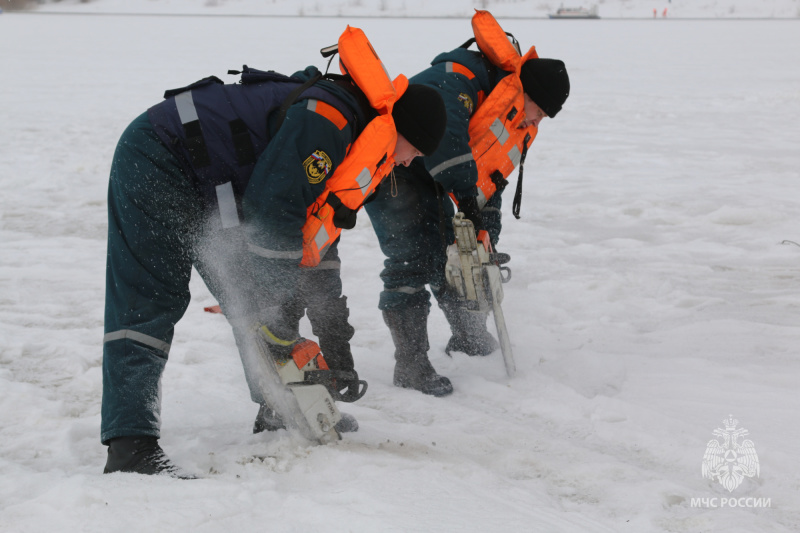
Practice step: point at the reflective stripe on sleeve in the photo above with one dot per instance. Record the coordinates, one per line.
(275, 254)
(327, 111)
(141, 338)
(456, 68)
(327, 265)
(451, 163)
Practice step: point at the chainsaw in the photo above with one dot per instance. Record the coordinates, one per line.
(477, 275)
(302, 389)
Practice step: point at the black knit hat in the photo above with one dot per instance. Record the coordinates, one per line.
(547, 83)
(420, 117)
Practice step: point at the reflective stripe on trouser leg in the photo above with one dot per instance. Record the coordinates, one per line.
(406, 290)
(147, 340)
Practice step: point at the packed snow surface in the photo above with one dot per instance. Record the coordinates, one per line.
(654, 293)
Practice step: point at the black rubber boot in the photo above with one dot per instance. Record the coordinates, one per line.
(470, 335)
(348, 424)
(268, 420)
(141, 455)
(413, 369)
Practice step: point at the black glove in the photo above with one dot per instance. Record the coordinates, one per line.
(469, 206)
(343, 216)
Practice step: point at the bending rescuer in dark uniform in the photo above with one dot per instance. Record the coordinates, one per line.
(495, 100)
(232, 179)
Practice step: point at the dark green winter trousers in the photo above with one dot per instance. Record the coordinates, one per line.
(409, 217)
(153, 215)
(158, 229)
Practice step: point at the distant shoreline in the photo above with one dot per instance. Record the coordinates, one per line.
(410, 17)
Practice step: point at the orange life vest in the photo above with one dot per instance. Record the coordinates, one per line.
(369, 158)
(495, 138)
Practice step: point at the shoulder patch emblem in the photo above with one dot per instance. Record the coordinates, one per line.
(466, 101)
(318, 166)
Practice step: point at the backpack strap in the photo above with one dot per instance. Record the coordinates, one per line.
(292, 98)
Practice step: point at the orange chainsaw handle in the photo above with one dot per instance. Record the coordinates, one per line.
(483, 238)
(306, 350)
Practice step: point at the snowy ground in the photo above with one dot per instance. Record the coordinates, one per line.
(651, 296)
